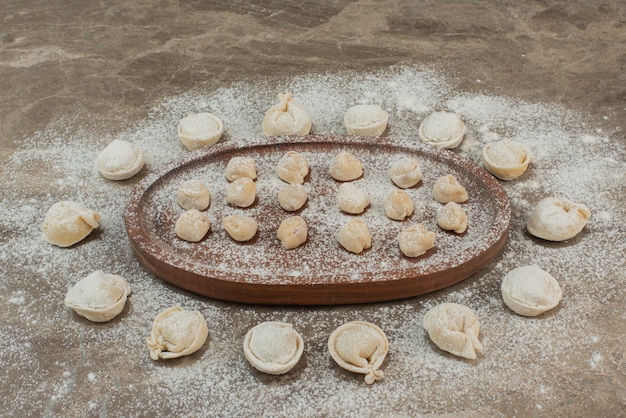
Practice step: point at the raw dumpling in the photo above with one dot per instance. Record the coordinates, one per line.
(442, 129)
(241, 192)
(199, 130)
(239, 167)
(345, 167)
(99, 297)
(448, 189)
(405, 172)
(352, 199)
(120, 160)
(355, 236)
(273, 347)
(293, 167)
(530, 291)
(194, 194)
(452, 217)
(416, 240)
(67, 223)
(192, 225)
(292, 232)
(557, 219)
(369, 120)
(286, 117)
(176, 333)
(398, 205)
(359, 347)
(454, 328)
(507, 160)
(292, 197)
(240, 228)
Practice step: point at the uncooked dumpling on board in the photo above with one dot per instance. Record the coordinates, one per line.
(405, 172)
(192, 225)
(177, 332)
(448, 189)
(240, 228)
(194, 194)
(442, 129)
(359, 347)
(367, 120)
(292, 197)
(557, 219)
(452, 217)
(120, 160)
(398, 205)
(292, 168)
(292, 232)
(239, 167)
(352, 199)
(355, 236)
(286, 117)
(200, 130)
(530, 291)
(99, 297)
(454, 328)
(273, 347)
(345, 167)
(67, 223)
(506, 159)
(241, 192)
(416, 240)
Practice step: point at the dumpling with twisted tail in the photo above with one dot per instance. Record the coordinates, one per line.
(286, 117)
(454, 328)
(177, 332)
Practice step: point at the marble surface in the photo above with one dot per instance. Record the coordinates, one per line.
(78, 73)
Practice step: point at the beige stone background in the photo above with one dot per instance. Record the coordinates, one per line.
(107, 63)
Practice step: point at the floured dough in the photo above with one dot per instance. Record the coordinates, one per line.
(239, 167)
(273, 347)
(416, 240)
(557, 219)
(240, 228)
(452, 217)
(194, 194)
(530, 291)
(405, 172)
(67, 223)
(345, 167)
(293, 167)
(442, 129)
(454, 328)
(505, 159)
(99, 297)
(352, 199)
(192, 225)
(292, 232)
(199, 130)
(369, 120)
(177, 332)
(241, 192)
(355, 236)
(292, 197)
(286, 117)
(398, 205)
(448, 189)
(120, 160)
(359, 347)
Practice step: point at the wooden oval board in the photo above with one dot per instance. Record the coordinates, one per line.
(319, 272)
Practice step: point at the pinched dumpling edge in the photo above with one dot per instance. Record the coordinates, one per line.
(544, 221)
(209, 138)
(506, 172)
(122, 173)
(156, 342)
(100, 313)
(523, 307)
(449, 143)
(466, 332)
(269, 367)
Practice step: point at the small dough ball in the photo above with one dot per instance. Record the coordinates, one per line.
(199, 130)
(120, 160)
(454, 328)
(530, 291)
(292, 197)
(293, 167)
(442, 129)
(192, 225)
(240, 228)
(241, 192)
(352, 199)
(507, 160)
(398, 205)
(355, 236)
(370, 120)
(345, 167)
(67, 223)
(452, 217)
(405, 172)
(557, 219)
(416, 240)
(292, 232)
(194, 194)
(239, 167)
(448, 189)
(286, 117)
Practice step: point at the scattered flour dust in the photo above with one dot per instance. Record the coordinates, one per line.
(88, 369)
